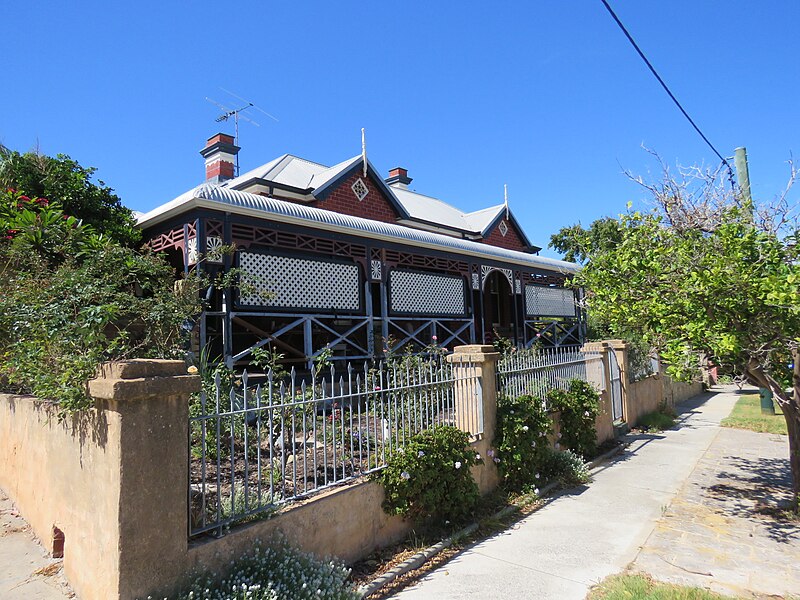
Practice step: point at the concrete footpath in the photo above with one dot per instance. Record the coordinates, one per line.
(26, 570)
(590, 532)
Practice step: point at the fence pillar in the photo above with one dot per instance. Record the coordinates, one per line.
(629, 409)
(604, 423)
(151, 401)
(469, 362)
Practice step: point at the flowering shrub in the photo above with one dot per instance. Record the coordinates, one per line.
(429, 478)
(521, 440)
(276, 572)
(566, 467)
(72, 299)
(579, 406)
(40, 226)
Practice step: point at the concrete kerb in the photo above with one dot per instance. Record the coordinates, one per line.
(420, 558)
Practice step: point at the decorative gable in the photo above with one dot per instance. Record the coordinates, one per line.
(359, 196)
(506, 235)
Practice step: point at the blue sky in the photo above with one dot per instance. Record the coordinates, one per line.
(547, 97)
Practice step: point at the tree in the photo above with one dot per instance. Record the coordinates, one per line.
(577, 243)
(71, 184)
(72, 298)
(706, 272)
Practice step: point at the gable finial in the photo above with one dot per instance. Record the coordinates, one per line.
(505, 195)
(364, 150)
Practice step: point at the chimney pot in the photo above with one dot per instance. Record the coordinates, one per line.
(398, 177)
(220, 154)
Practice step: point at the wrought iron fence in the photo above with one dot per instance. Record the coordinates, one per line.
(256, 442)
(537, 372)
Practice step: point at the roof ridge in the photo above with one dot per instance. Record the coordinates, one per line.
(488, 208)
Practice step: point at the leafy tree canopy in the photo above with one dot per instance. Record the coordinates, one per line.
(577, 243)
(65, 180)
(707, 273)
(73, 298)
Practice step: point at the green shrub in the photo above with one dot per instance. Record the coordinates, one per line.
(73, 299)
(579, 406)
(566, 467)
(521, 440)
(658, 420)
(76, 189)
(276, 572)
(429, 479)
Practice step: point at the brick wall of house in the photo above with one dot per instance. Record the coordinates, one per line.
(374, 206)
(511, 240)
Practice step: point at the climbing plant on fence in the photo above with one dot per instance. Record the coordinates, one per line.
(579, 406)
(428, 479)
(521, 440)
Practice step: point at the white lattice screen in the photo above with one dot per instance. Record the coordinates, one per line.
(424, 293)
(288, 282)
(543, 301)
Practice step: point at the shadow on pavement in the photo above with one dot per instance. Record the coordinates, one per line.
(758, 489)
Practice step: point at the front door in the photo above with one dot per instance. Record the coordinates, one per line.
(498, 308)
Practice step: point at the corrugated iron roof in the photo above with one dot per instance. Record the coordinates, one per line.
(222, 198)
(304, 174)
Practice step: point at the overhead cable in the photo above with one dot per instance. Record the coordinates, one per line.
(666, 89)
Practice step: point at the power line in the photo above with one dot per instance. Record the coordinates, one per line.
(666, 89)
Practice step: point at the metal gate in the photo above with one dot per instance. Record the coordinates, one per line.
(616, 387)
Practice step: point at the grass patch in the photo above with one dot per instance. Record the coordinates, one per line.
(658, 420)
(641, 587)
(747, 415)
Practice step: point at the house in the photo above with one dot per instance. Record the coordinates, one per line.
(340, 257)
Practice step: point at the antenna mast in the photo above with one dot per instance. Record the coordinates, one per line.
(228, 112)
(235, 114)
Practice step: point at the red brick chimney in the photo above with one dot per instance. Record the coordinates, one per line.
(399, 178)
(220, 154)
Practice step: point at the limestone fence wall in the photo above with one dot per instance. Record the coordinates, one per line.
(114, 481)
(648, 394)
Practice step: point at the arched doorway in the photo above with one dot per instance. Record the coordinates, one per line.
(498, 307)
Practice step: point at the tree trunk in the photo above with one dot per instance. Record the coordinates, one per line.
(790, 406)
(792, 416)
(791, 413)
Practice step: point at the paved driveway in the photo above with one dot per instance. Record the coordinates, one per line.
(723, 530)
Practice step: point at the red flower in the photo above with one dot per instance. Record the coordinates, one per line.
(25, 198)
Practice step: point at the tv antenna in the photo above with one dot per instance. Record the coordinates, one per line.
(236, 113)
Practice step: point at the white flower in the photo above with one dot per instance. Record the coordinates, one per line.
(405, 475)
(420, 454)
(586, 414)
(536, 491)
(525, 428)
(533, 444)
(477, 456)
(537, 476)
(458, 464)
